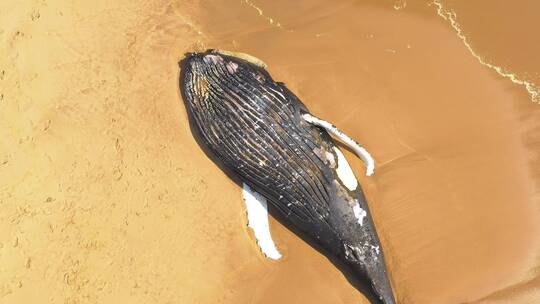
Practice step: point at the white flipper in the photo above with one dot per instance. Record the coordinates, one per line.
(351, 143)
(257, 213)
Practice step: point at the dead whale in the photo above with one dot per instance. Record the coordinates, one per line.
(259, 130)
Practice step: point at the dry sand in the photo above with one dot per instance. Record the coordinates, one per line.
(106, 198)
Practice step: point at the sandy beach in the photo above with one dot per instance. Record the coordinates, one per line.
(105, 197)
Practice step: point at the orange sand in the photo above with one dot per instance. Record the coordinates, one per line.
(106, 198)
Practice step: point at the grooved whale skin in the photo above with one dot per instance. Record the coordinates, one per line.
(254, 127)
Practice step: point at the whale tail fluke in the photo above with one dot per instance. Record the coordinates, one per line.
(380, 284)
(367, 264)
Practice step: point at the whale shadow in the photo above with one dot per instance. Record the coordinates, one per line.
(360, 283)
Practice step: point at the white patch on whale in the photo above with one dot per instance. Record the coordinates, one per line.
(326, 156)
(359, 213)
(232, 67)
(212, 59)
(257, 213)
(344, 171)
(330, 158)
(351, 143)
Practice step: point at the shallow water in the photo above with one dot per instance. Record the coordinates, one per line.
(106, 197)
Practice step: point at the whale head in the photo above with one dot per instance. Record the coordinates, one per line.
(208, 73)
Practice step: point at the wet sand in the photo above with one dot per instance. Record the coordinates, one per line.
(105, 197)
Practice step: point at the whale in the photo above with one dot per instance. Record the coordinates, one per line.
(260, 132)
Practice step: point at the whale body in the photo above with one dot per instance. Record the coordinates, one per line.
(257, 129)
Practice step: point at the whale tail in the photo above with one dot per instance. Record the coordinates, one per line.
(374, 272)
(381, 285)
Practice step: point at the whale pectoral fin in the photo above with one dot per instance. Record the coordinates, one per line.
(257, 213)
(349, 142)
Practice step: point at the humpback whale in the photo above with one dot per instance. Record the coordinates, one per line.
(258, 130)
